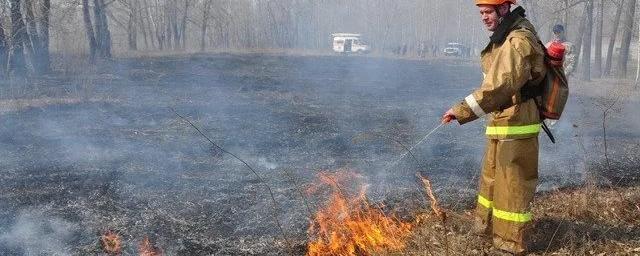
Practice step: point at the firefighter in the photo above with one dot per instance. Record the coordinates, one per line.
(569, 55)
(512, 59)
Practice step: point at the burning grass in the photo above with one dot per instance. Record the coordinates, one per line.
(146, 248)
(349, 225)
(111, 242)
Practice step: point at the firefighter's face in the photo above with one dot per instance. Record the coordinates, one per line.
(490, 17)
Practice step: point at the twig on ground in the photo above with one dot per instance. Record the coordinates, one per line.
(552, 237)
(434, 202)
(605, 111)
(436, 209)
(273, 199)
(604, 137)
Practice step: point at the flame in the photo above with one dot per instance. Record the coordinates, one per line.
(350, 225)
(146, 248)
(111, 243)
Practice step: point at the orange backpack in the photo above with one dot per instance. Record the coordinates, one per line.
(552, 93)
(555, 86)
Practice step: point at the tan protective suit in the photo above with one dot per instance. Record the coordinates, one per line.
(510, 167)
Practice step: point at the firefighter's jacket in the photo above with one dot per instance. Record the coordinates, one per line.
(510, 61)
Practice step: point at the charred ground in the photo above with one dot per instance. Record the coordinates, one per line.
(110, 154)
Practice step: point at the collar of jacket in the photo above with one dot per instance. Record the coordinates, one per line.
(509, 22)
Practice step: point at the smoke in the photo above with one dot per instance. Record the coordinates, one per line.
(139, 169)
(263, 162)
(35, 233)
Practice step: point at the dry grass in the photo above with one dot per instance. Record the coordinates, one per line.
(578, 221)
(300, 52)
(23, 104)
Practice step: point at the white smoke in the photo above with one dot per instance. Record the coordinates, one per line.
(34, 233)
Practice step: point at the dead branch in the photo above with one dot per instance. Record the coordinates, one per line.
(606, 110)
(569, 7)
(434, 202)
(552, 237)
(273, 199)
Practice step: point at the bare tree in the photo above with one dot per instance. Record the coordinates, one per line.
(206, 10)
(17, 63)
(597, 69)
(103, 35)
(612, 38)
(45, 58)
(3, 48)
(32, 44)
(151, 25)
(580, 34)
(157, 20)
(627, 33)
(141, 22)
(132, 26)
(638, 66)
(88, 26)
(586, 45)
(98, 32)
(183, 25)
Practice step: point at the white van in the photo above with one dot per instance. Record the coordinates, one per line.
(457, 49)
(348, 43)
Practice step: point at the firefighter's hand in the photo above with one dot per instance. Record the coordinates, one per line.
(448, 116)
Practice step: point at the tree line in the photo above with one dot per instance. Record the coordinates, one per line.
(593, 18)
(125, 26)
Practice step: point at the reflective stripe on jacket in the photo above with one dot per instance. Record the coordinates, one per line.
(507, 67)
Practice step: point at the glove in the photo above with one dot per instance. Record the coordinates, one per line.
(448, 116)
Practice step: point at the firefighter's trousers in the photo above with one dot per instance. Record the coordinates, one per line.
(507, 185)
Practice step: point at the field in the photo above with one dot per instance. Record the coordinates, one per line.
(104, 149)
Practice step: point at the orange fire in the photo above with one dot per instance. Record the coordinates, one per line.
(111, 243)
(146, 248)
(349, 225)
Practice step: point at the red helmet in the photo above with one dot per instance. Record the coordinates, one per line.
(494, 2)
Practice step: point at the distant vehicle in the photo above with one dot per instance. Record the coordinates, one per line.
(349, 43)
(456, 49)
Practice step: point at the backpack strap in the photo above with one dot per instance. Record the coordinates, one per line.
(533, 91)
(530, 90)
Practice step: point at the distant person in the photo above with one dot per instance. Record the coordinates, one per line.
(404, 49)
(514, 58)
(422, 48)
(569, 54)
